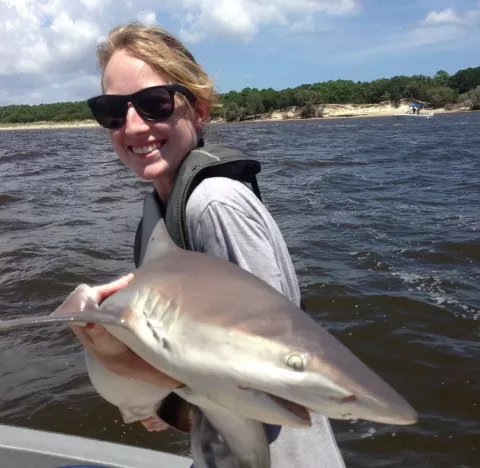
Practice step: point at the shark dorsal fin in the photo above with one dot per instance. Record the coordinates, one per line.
(156, 240)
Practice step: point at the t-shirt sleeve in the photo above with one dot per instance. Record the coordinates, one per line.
(239, 239)
(232, 229)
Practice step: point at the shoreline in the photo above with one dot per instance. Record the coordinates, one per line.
(355, 115)
(343, 111)
(49, 125)
(347, 116)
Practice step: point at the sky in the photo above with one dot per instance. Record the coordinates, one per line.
(47, 51)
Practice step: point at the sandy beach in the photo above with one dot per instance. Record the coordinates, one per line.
(342, 111)
(330, 111)
(49, 125)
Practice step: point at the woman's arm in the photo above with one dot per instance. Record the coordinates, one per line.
(225, 219)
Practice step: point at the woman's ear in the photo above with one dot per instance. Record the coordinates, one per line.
(202, 113)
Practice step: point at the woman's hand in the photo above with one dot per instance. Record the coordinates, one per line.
(108, 350)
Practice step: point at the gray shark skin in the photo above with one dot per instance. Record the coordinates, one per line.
(245, 353)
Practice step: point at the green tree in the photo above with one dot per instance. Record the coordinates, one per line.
(305, 97)
(216, 112)
(385, 96)
(441, 95)
(231, 112)
(308, 111)
(254, 103)
(441, 78)
(472, 98)
(465, 80)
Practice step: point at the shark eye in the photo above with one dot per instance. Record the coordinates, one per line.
(295, 361)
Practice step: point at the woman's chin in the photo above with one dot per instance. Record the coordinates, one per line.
(147, 176)
(151, 172)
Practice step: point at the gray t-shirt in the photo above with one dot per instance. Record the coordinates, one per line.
(226, 219)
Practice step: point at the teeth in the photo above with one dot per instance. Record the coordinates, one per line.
(145, 149)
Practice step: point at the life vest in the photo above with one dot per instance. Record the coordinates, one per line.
(201, 163)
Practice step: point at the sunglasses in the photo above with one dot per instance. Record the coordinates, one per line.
(153, 104)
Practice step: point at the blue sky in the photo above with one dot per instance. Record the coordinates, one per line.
(48, 52)
(383, 39)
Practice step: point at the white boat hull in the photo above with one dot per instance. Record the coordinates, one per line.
(27, 448)
(427, 116)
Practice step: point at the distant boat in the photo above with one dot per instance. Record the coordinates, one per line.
(415, 110)
(427, 115)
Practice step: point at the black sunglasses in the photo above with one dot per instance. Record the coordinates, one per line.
(153, 104)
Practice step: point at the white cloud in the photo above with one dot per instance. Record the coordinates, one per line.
(242, 18)
(49, 45)
(147, 17)
(445, 25)
(43, 34)
(453, 17)
(448, 16)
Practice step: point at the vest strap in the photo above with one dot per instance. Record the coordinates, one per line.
(202, 163)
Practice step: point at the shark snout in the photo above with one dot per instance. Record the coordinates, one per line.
(370, 399)
(360, 405)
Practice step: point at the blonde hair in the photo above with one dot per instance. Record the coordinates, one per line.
(163, 52)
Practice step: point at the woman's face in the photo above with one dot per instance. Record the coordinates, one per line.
(152, 150)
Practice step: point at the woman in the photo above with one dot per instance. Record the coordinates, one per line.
(152, 129)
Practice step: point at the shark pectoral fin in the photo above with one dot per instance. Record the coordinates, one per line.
(176, 412)
(77, 318)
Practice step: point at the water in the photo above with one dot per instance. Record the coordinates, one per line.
(382, 220)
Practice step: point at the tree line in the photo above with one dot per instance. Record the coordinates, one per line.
(58, 112)
(438, 91)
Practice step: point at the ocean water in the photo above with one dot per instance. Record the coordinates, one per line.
(382, 219)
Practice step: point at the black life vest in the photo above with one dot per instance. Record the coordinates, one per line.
(203, 162)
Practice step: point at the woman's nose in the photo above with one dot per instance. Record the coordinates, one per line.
(134, 124)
